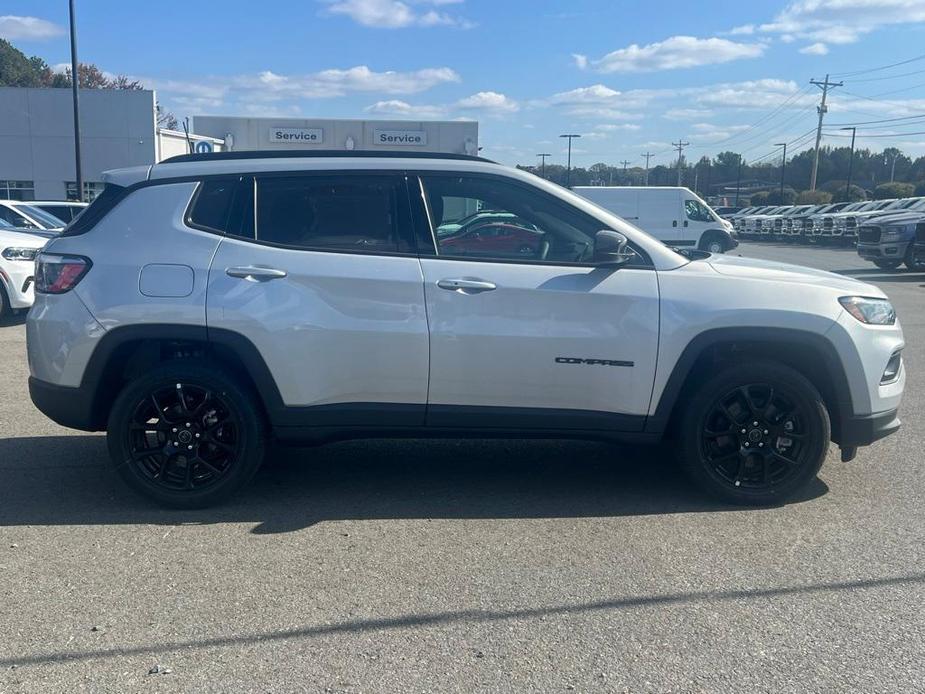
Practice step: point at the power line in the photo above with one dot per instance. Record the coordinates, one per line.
(918, 132)
(882, 120)
(889, 77)
(882, 67)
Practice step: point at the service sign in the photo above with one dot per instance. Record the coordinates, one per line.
(402, 138)
(305, 136)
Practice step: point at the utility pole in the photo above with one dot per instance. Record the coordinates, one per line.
(679, 145)
(543, 156)
(625, 162)
(75, 85)
(893, 166)
(568, 170)
(738, 180)
(822, 109)
(783, 168)
(850, 164)
(647, 155)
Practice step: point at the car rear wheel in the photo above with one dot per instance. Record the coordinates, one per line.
(887, 264)
(755, 433)
(186, 435)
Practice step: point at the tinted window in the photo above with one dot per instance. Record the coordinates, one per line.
(98, 209)
(213, 204)
(356, 213)
(14, 218)
(482, 217)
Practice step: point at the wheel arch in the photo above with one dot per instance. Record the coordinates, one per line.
(722, 234)
(127, 352)
(809, 353)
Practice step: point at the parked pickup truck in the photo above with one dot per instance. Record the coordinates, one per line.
(889, 241)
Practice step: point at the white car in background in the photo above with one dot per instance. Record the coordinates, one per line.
(17, 266)
(22, 215)
(65, 210)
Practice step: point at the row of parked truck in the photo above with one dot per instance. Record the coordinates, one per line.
(884, 230)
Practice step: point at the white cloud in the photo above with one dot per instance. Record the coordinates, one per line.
(744, 30)
(595, 94)
(687, 113)
(843, 21)
(815, 49)
(673, 53)
(611, 127)
(339, 82)
(395, 14)
(489, 101)
(16, 28)
(396, 107)
(765, 93)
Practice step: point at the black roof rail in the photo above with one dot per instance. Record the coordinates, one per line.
(317, 153)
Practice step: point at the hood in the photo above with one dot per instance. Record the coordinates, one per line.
(24, 239)
(770, 271)
(901, 217)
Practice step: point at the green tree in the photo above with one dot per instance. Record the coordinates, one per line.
(814, 197)
(893, 190)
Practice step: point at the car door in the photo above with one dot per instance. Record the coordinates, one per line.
(539, 340)
(322, 278)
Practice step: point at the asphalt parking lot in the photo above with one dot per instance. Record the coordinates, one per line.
(476, 566)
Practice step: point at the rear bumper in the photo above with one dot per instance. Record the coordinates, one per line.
(864, 430)
(69, 407)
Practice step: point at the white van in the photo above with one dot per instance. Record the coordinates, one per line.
(675, 216)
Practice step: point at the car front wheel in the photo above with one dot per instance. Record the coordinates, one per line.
(186, 435)
(755, 433)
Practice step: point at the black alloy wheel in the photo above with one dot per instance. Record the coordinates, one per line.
(755, 432)
(184, 437)
(186, 434)
(755, 437)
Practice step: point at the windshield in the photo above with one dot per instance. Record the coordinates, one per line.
(49, 221)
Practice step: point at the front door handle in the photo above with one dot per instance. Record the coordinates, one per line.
(255, 273)
(466, 285)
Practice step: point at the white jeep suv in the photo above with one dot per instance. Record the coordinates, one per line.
(209, 303)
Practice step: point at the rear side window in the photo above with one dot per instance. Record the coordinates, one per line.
(212, 206)
(98, 209)
(365, 213)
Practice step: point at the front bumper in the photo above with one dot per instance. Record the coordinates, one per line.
(879, 251)
(864, 430)
(18, 281)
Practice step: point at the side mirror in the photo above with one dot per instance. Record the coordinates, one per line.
(610, 249)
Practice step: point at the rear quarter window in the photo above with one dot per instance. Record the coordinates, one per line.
(98, 209)
(211, 206)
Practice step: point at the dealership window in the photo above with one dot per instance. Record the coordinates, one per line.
(91, 190)
(353, 213)
(17, 190)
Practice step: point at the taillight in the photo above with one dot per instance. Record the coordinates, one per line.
(57, 274)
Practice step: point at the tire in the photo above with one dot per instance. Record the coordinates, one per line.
(6, 311)
(713, 243)
(887, 264)
(914, 261)
(754, 468)
(149, 435)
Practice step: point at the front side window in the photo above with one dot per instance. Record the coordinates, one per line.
(489, 218)
(697, 212)
(16, 219)
(350, 213)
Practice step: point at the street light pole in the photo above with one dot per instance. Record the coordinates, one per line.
(568, 170)
(75, 80)
(543, 156)
(854, 132)
(783, 168)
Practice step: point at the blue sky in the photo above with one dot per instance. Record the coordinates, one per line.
(629, 76)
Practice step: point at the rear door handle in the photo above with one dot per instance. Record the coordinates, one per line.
(465, 285)
(256, 273)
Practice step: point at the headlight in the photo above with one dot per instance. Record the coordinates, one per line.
(20, 253)
(869, 310)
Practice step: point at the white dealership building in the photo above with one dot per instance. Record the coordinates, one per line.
(451, 137)
(119, 128)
